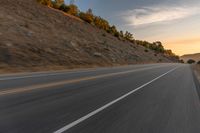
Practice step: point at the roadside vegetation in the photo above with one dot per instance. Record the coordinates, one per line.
(191, 61)
(182, 61)
(101, 23)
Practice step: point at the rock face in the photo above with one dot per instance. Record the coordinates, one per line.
(35, 37)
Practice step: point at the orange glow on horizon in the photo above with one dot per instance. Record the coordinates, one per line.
(185, 46)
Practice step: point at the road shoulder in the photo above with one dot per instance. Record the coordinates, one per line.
(196, 75)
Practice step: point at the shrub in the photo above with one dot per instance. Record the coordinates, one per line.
(116, 34)
(128, 36)
(158, 47)
(182, 61)
(191, 61)
(101, 23)
(86, 17)
(59, 2)
(55, 5)
(121, 33)
(146, 50)
(45, 2)
(64, 8)
(168, 52)
(73, 10)
(198, 62)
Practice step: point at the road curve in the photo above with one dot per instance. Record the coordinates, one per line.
(156, 98)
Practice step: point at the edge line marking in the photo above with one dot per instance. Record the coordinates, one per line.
(70, 125)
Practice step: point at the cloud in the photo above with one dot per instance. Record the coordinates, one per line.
(150, 15)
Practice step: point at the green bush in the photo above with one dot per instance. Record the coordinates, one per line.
(116, 34)
(55, 5)
(128, 36)
(73, 10)
(101, 23)
(121, 33)
(181, 61)
(156, 46)
(86, 17)
(191, 61)
(64, 8)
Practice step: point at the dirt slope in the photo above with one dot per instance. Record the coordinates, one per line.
(195, 57)
(35, 37)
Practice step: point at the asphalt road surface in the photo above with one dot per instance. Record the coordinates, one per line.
(155, 98)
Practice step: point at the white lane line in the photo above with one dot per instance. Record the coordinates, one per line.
(67, 127)
(51, 74)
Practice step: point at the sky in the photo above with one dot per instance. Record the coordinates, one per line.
(176, 23)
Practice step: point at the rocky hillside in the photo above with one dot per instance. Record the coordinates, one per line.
(35, 37)
(195, 57)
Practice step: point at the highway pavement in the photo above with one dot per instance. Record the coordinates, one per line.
(154, 98)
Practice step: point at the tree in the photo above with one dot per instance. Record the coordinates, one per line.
(169, 52)
(181, 61)
(73, 10)
(45, 2)
(128, 36)
(101, 23)
(191, 61)
(159, 47)
(113, 29)
(117, 34)
(89, 11)
(55, 5)
(59, 2)
(147, 44)
(64, 8)
(87, 17)
(121, 33)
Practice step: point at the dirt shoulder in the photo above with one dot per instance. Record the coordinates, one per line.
(196, 69)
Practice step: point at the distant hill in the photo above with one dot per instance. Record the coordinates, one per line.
(35, 37)
(195, 57)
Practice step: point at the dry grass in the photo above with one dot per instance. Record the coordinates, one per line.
(198, 68)
(34, 37)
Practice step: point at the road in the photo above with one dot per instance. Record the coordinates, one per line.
(155, 98)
